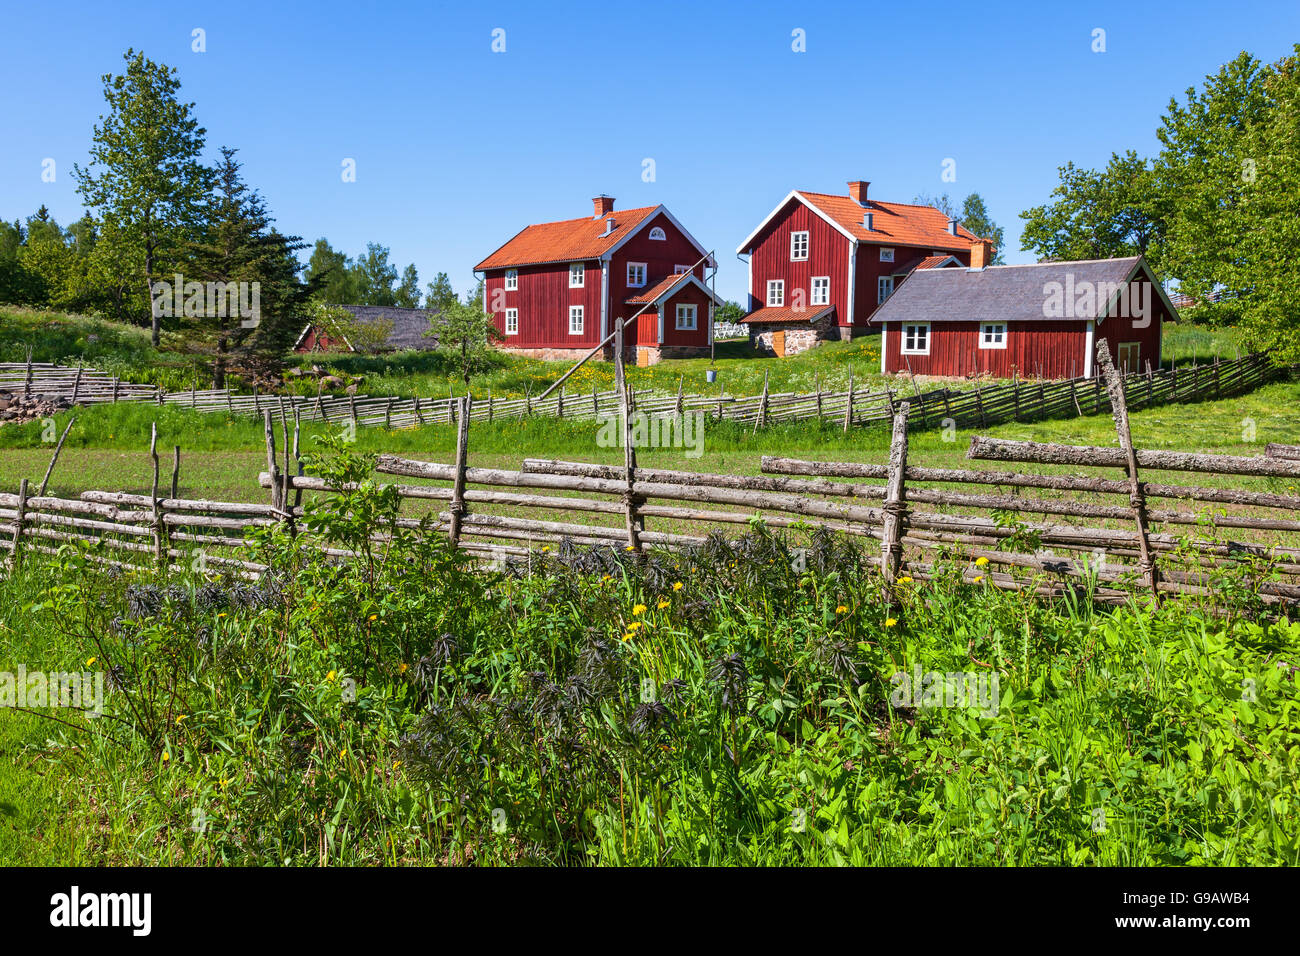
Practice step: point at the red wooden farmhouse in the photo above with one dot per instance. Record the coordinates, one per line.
(1041, 320)
(556, 288)
(820, 265)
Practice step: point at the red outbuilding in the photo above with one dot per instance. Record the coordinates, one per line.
(1041, 320)
(556, 289)
(829, 261)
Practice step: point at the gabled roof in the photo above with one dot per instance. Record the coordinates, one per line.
(673, 283)
(893, 223)
(409, 325)
(783, 314)
(1007, 293)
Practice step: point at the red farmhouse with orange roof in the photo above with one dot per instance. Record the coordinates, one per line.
(819, 265)
(556, 289)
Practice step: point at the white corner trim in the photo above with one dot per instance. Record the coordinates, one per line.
(1088, 348)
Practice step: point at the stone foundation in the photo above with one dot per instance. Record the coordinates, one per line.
(550, 355)
(654, 354)
(799, 337)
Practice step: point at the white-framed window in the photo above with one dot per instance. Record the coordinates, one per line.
(886, 254)
(884, 288)
(679, 270)
(993, 335)
(686, 317)
(776, 292)
(512, 321)
(658, 234)
(798, 246)
(577, 275)
(512, 279)
(635, 275)
(575, 320)
(819, 293)
(916, 338)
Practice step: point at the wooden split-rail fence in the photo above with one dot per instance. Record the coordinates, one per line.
(978, 406)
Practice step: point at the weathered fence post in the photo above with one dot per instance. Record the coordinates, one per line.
(76, 384)
(457, 507)
(19, 517)
(176, 471)
(761, 420)
(27, 381)
(1137, 498)
(272, 463)
(630, 501)
(848, 409)
(55, 457)
(618, 355)
(891, 547)
(160, 545)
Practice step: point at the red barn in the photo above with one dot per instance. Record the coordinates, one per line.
(827, 262)
(556, 288)
(1035, 320)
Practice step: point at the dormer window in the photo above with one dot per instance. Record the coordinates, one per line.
(657, 233)
(886, 254)
(512, 279)
(577, 275)
(798, 246)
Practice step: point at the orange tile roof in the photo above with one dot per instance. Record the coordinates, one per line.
(772, 313)
(658, 289)
(571, 240)
(892, 222)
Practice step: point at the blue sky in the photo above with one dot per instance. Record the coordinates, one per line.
(458, 147)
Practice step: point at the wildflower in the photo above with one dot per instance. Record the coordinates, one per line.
(663, 603)
(401, 668)
(221, 615)
(374, 617)
(629, 635)
(629, 548)
(91, 661)
(890, 621)
(224, 783)
(546, 547)
(396, 764)
(331, 675)
(980, 562)
(840, 609)
(905, 579)
(638, 610)
(677, 585)
(343, 753)
(634, 626)
(180, 718)
(166, 756)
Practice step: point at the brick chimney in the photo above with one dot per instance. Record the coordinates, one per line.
(604, 205)
(858, 191)
(981, 254)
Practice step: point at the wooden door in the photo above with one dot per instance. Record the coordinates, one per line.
(778, 343)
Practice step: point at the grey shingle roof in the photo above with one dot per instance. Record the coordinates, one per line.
(998, 293)
(409, 325)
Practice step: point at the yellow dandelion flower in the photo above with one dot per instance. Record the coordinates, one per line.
(374, 617)
(401, 668)
(979, 578)
(663, 604)
(841, 609)
(634, 626)
(677, 585)
(890, 621)
(166, 756)
(628, 636)
(396, 764)
(91, 661)
(180, 718)
(980, 562)
(343, 753)
(638, 609)
(330, 676)
(905, 579)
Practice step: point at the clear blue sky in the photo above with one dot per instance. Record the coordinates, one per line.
(457, 147)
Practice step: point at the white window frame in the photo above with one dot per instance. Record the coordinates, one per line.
(576, 311)
(915, 333)
(658, 234)
(884, 288)
(986, 332)
(687, 309)
(798, 239)
(512, 322)
(644, 269)
(886, 254)
(775, 286)
(578, 271)
(825, 286)
(512, 280)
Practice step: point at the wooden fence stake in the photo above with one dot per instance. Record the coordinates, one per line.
(19, 517)
(57, 448)
(848, 409)
(457, 507)
(272, 463)
(160, 547)
(891, 548)
(176, 470)
(1137, 497)
(76, 385)
(762, 406)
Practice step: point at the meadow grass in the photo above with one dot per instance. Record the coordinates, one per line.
(715, 708)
